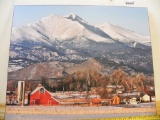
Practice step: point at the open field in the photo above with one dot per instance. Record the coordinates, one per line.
(72, 112)
(76, 110)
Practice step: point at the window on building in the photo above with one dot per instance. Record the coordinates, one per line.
(41, 90)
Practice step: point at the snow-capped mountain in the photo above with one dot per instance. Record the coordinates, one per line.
(55, 27)
(58, 28)
(70, 38)
(124, 35)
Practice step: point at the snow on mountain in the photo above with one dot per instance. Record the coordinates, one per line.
(74, 17)
(59, 28)
(70, 38)
(124, 35)
(14, 68)
(68, 27)
(55, 27)
(90, 32)
(29, 33)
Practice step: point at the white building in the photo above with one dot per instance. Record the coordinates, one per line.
(146, 98)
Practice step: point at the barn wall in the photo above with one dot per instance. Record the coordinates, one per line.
(42, 99)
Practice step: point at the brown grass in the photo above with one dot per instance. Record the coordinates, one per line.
(62, 110)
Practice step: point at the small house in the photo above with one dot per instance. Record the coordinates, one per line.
(40, 96)
(111, 101)
(96, 101)
(153, 98)
(115, 100)
(133, 101)
(146, 98)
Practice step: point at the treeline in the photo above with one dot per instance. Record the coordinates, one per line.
(90, 79)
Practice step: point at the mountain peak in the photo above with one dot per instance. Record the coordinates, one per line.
(93, 63)
(74, 17)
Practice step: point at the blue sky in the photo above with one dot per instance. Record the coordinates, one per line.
(135, 19)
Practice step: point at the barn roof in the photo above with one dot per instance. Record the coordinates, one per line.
(38, 88)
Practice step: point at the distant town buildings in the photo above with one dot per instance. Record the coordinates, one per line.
(41, 96)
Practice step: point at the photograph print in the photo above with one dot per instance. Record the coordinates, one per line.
(80, 62)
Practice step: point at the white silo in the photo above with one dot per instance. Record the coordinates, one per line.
(21, 92)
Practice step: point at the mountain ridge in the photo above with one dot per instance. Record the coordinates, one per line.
(77, 29)
(70, 38)
(54, 69)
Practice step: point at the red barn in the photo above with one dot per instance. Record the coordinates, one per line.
(40, 96)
